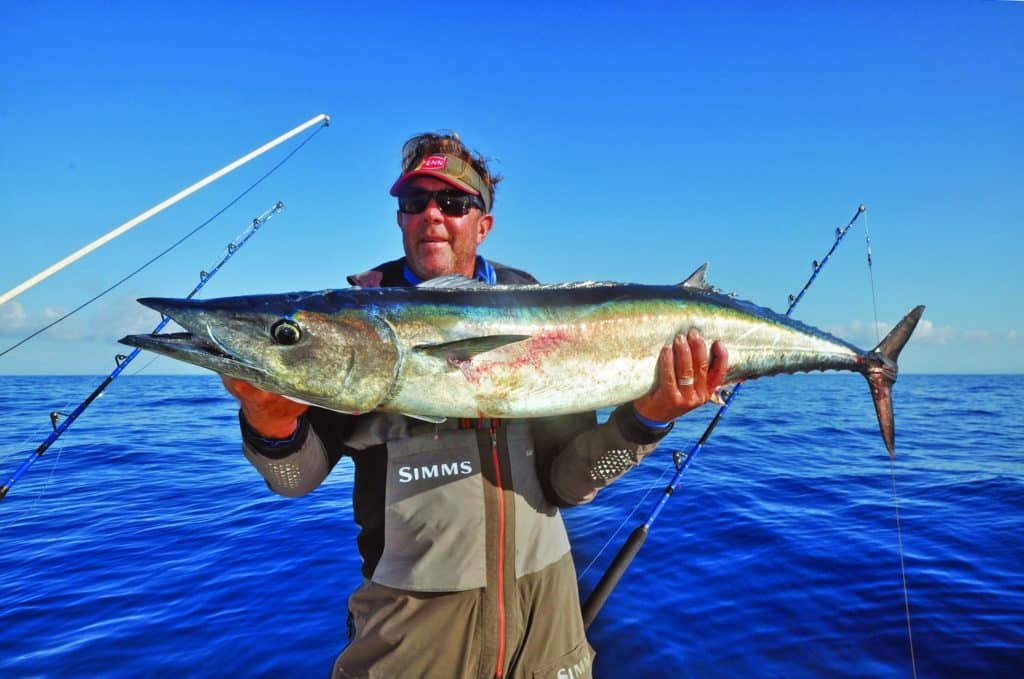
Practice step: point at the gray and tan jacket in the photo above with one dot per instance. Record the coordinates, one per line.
(465, 558)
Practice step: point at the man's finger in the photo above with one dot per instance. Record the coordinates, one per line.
(666, 369)
(719, 365)
(699, 353)
(683, 376)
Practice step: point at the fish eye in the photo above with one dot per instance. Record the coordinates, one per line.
(286, 332)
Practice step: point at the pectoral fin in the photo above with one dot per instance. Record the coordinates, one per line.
(465, 349)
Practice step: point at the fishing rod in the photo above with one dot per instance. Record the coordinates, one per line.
(323, 119)
(122, 361)
(636, 539)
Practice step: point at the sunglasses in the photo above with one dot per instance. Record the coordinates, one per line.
(451, 202)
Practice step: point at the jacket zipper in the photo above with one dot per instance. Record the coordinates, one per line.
(499, 670)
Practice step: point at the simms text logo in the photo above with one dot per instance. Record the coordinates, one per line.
(435, 163)
(434, 471)
(577, 671)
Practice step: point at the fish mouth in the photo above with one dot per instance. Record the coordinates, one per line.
(179, 344)
(199, 347)
(184, 346)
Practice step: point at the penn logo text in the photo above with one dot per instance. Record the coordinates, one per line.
(435, 163)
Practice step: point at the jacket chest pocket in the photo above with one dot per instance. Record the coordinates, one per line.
(434, 531)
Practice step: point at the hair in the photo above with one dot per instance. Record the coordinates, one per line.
(448, 142)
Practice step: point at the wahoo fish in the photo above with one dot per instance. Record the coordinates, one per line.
(455, 347)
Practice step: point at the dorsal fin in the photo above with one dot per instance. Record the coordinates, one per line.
(696, 279)
(453, 280)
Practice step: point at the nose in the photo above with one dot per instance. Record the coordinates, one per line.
(433, 212)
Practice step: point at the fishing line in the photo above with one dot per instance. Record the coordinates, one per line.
(46, 485)
(144, 367)
(871, 275)
(29, 435)
(903, 567)
(53, 467)
(622, 524)
(892, 474)
(168, 249)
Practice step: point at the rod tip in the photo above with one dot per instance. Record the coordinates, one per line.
(861, 207)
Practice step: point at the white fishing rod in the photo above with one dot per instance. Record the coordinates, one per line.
(323, 119)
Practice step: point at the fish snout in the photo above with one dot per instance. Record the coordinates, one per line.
(168, 306)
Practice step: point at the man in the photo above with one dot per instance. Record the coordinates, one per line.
(466, 561)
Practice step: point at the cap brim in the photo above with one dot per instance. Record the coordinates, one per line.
(406, 178)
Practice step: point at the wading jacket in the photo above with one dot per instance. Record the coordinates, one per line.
(466, 560)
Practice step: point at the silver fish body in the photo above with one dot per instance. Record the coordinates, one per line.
(453, 348)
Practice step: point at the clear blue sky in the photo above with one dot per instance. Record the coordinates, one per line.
(636, 143)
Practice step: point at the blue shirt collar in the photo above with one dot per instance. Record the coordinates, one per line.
(484, 272)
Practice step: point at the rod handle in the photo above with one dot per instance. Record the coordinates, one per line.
(614, 573)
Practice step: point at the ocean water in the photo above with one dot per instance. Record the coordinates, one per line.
(143, 544)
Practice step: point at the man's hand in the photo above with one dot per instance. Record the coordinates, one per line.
(271, 415)
(686, 378)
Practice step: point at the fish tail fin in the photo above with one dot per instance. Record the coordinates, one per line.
(881, 371)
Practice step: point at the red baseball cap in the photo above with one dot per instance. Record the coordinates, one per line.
(451, 170)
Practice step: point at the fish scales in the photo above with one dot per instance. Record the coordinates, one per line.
(584, 355)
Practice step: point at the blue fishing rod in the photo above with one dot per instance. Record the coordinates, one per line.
(122, 361)
(636, 539)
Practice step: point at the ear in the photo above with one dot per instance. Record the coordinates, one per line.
(484, 228)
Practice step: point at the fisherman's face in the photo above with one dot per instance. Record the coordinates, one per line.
(437, 244)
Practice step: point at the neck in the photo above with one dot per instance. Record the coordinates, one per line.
(482, 270)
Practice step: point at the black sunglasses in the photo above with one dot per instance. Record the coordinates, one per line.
(451, 202)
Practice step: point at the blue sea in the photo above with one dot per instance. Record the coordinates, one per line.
(143, 544)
